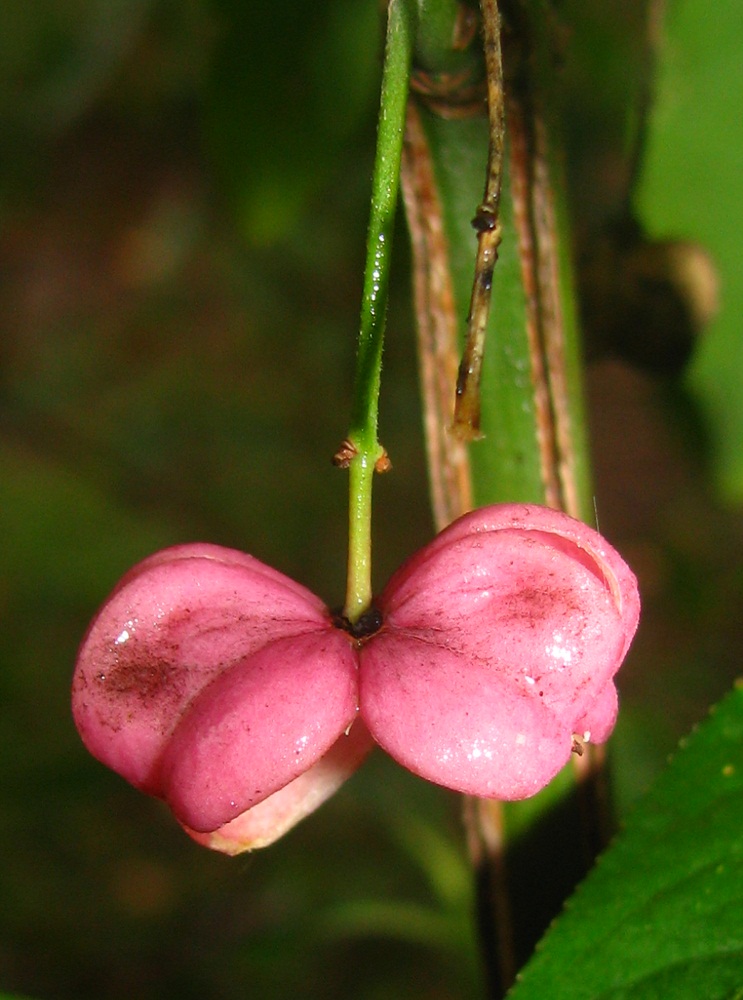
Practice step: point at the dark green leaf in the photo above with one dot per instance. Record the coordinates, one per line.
(660, 916)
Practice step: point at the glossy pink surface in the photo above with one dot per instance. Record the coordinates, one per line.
(273, 817)
(207, 655)
(500, 641)
(259, 726)
(225, 688)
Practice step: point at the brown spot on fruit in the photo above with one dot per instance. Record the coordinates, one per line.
(149, 678)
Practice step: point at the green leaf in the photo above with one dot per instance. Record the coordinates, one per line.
(505, 465)
(689, 189)
(660, 915)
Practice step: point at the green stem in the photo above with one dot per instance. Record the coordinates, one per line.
(362, 434)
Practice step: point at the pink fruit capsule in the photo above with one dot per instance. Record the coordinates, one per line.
(500, 640)
(230, 691)
(212, 681)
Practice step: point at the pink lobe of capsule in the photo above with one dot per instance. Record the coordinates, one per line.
(500, 640)
(184, 625)
(259, 726)
(270, 819)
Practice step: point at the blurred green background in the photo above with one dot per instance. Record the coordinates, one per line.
(183, 199)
